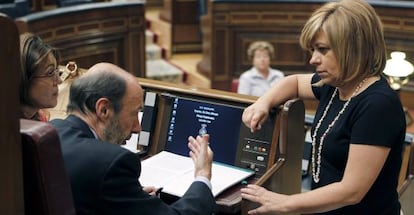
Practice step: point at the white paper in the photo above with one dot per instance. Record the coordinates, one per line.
(175, 173)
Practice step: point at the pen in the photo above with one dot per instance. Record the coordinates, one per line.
(158, 192)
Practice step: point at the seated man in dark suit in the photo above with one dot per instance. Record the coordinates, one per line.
(103, 107)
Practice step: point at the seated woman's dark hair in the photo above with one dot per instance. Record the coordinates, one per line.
(32, 52)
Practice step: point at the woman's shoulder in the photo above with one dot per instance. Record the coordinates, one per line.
(380, 91)
(380, 97)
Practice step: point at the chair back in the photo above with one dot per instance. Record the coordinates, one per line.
(11, 180)
(46, 184)
(234, 85)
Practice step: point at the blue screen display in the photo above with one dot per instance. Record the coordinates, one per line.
(191, 118)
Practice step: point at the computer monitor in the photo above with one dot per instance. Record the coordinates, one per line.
(192, 117)
(271, 151)
(231, 140)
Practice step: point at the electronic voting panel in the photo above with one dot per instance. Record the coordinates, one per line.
(231, 141)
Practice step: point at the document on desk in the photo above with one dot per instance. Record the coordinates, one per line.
(175, 173)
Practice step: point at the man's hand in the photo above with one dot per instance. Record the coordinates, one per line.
(202, 155)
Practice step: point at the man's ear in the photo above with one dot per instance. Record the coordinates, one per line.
(103, 108)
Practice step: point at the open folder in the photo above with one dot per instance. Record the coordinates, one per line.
(175, 173)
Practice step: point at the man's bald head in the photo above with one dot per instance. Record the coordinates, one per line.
(102, 68)
(103, 80)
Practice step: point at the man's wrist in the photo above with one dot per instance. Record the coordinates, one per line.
(204, 180)
(206, 174)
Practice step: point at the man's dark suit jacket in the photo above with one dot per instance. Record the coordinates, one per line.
(104, 177)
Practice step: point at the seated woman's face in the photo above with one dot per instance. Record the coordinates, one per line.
(261, 59)
(43, 91)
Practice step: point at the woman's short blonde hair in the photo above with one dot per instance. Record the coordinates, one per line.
(260, 45)
(355, 35)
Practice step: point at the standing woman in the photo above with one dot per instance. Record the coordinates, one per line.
(359, 126)
(257, 80)
(39, 78)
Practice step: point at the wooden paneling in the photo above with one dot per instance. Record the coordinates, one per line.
(230, 26)
(91, 33)
(407, 98)
(184, 20)
(11, 180)
(154, 3)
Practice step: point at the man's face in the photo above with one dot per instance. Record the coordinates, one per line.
(113, 132)
(120, 127)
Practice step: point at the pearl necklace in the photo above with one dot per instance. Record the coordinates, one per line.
(315, 174)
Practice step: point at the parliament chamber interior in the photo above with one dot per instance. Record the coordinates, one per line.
(187, 55)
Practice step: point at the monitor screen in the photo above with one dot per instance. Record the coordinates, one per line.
(192, 117)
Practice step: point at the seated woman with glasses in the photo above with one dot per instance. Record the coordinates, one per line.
(39, 79)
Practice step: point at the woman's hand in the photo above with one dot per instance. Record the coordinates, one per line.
(270, 202)
(255, 115)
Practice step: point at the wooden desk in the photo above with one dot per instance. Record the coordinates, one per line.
(282, 167)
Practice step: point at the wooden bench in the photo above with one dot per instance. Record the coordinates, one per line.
(90, 33)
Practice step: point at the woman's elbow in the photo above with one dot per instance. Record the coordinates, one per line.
(355, 197)
(352, 195)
